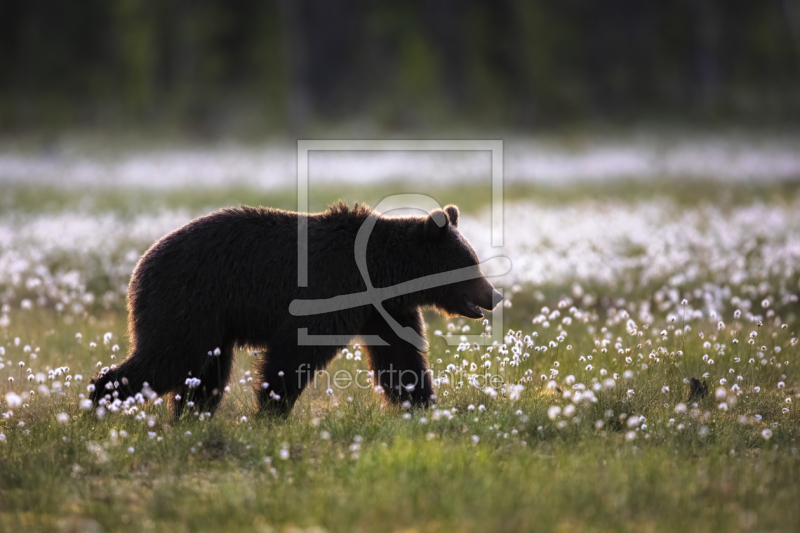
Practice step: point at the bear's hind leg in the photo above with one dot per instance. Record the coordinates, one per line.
(399, 368)
(126, 380)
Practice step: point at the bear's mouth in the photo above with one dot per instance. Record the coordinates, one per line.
(471, 310)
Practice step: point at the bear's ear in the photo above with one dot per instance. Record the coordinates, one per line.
(452, 214)
(436, 225)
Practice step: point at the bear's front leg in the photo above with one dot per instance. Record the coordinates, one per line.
(399, 367)
(284, 371)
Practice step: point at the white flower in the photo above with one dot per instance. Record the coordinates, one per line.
(767, 434)
(13, 400)
(62, 418)
(514, 392)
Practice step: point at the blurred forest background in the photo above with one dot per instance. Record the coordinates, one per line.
(260, 67)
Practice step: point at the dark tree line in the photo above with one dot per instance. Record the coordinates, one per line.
(271, 64)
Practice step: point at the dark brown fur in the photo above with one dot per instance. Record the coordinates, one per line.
(226, 280)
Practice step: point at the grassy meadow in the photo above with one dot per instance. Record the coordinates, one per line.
(621, 292)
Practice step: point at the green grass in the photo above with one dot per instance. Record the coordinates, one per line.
(355, 464)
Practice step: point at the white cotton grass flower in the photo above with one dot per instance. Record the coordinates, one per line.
(62, 418)
(13, 400)
(767, 434)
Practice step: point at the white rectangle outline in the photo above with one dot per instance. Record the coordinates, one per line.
(353, 145)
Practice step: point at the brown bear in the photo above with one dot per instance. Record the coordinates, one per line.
(229, 279)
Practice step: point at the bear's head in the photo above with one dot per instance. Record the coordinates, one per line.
(447, 251)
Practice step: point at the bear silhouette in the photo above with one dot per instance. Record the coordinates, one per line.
(228, 279)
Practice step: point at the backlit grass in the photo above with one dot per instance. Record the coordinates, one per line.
(638, 456)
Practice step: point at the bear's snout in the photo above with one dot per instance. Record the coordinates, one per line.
(480, 295)
(489, 297)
